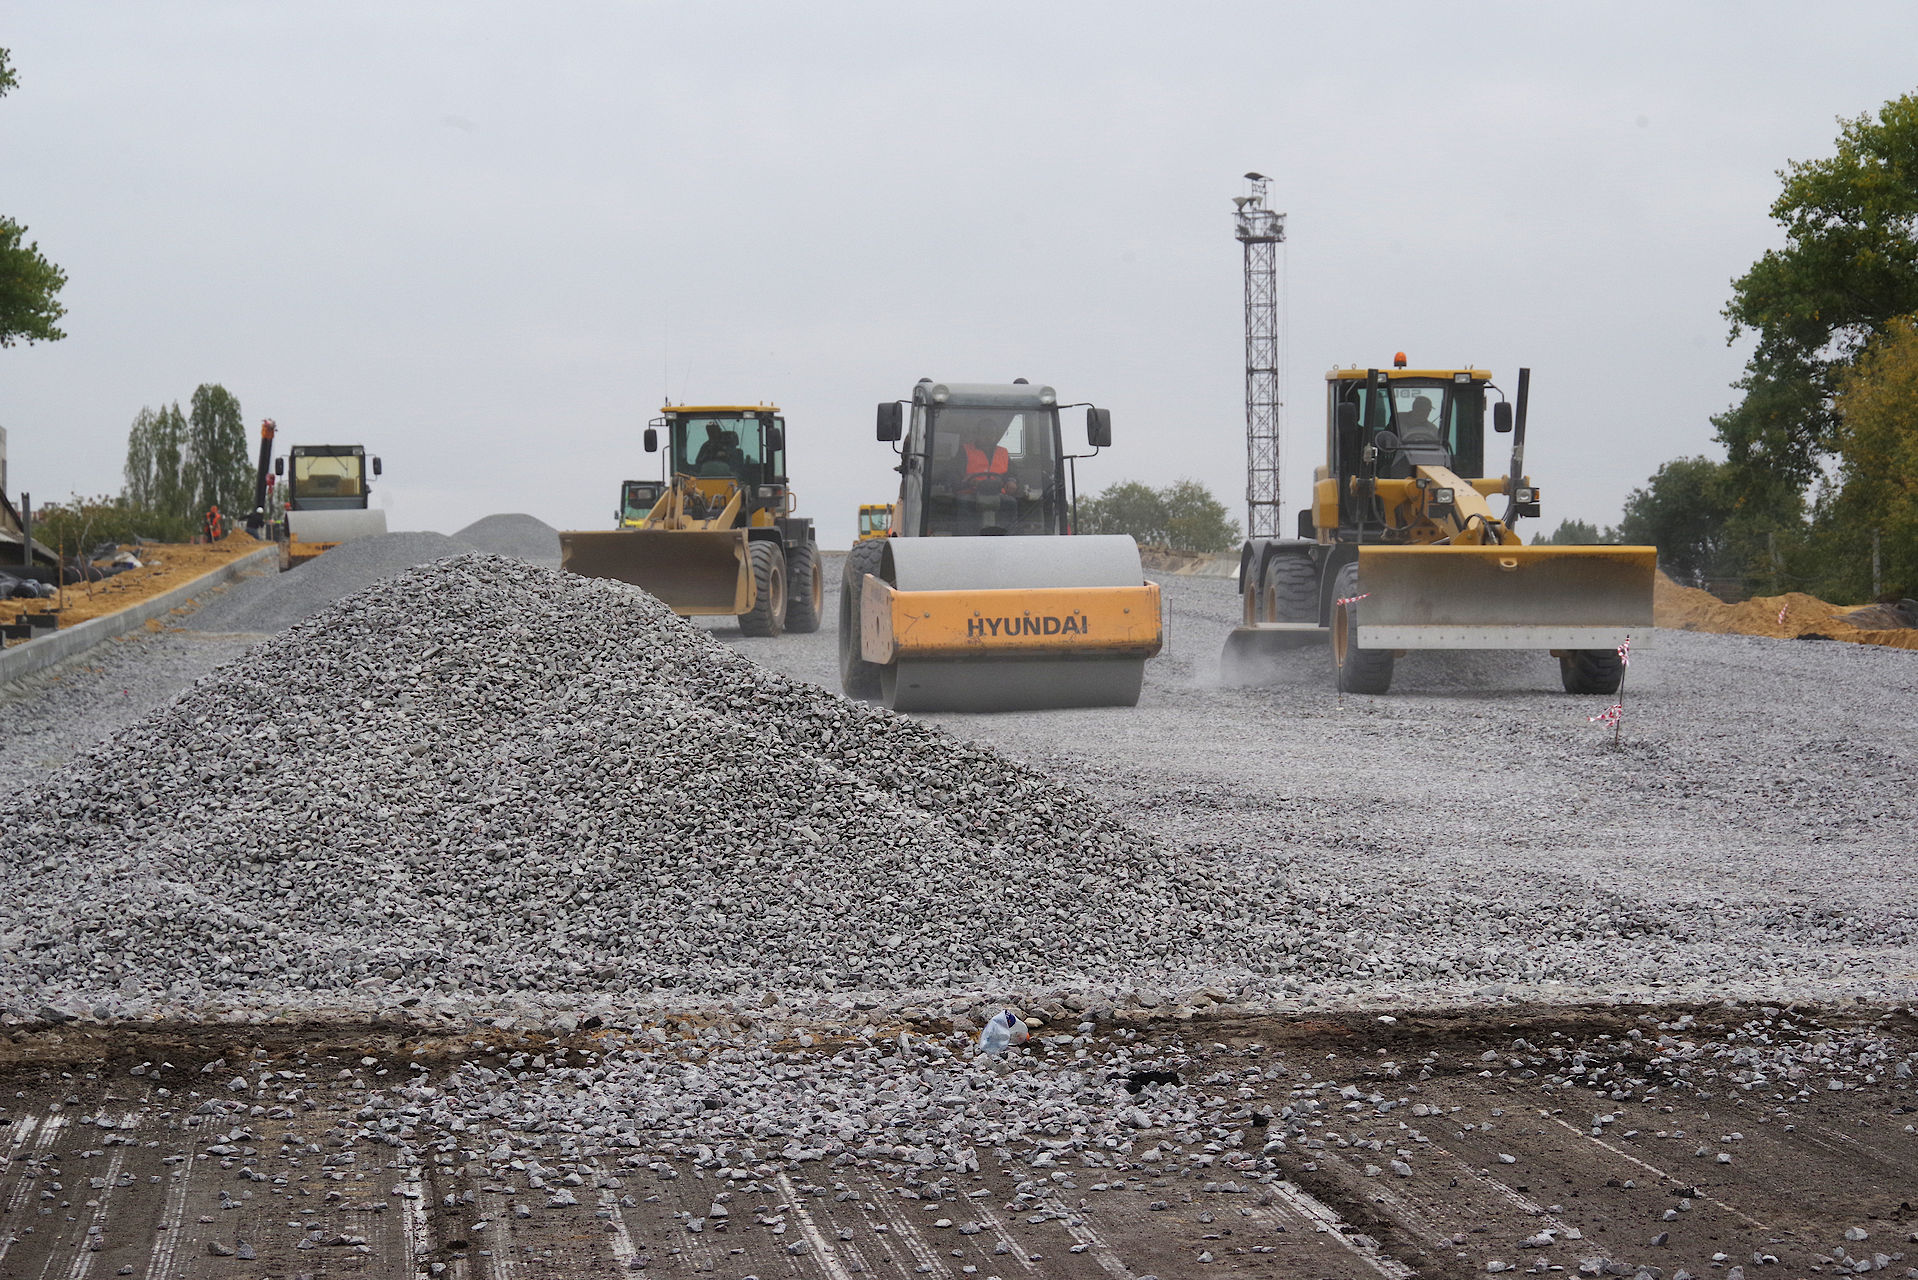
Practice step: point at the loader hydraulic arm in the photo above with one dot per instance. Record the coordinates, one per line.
(1438, 507)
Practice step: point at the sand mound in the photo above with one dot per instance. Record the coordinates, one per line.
(1790, 616)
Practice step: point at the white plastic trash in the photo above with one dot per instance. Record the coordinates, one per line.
(1004, 1030)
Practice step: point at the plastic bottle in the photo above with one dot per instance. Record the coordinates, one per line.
(1005, 1029)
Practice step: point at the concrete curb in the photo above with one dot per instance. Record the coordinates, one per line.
(37, 655)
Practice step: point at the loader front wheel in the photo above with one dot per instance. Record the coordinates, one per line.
(857, 677)
(1591, 671)
(1358, 670)
(808, 586)
(1292, 585)
(767, 617)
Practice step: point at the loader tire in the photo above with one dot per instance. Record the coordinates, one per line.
(1358, 670)
(1591, 671)
(767, 617)
(1292, 585)
(807, 585)
(857, 677)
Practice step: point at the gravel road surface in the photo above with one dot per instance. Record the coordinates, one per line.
(1521, 1000)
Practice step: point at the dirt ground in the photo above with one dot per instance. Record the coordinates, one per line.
(1444, 1144)
(164, 567)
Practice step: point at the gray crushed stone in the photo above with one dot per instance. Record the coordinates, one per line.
(519, 536)
(275, 601)
(49, 716)
(478, 779)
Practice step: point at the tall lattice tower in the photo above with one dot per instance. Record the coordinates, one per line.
(1261, 230)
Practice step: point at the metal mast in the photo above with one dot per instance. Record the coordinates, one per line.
(1259, 229)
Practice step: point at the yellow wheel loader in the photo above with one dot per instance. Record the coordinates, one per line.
(718, 537)
(1401, 548)
(978, 600)
(875, 520)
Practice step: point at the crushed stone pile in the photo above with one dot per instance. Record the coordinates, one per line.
(1790, 616)
(522, 537)
(476, 780)
(274, 602)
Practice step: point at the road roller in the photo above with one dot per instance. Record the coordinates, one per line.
(1401, 548)
(981, 597)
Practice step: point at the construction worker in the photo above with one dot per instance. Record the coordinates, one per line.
(988, 465)
(213, 525)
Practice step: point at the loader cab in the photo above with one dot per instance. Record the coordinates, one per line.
(637, 498)
(982, 459)
(1414, 417)
(717, 447)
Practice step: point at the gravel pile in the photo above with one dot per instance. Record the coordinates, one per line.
(275, 601)
(473, 779)
(522, 537)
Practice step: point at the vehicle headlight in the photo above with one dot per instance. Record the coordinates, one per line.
(1442, 496)
(1523, 495)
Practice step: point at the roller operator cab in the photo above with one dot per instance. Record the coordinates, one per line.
(326, 499)
(716, 535)
(1402, 548)
(978, 599)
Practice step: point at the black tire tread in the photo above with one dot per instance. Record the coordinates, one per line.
(805, 593)
(1364, 670)
(1591, 671)
(767, 617)
(857, 678)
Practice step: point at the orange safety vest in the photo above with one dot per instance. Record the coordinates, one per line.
(978, 463)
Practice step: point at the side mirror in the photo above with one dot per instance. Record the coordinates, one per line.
(891, 420)
(376, 466)
(1099, 428)
(279, 466)
(1502, 418)
(651, 440)
(775, 438)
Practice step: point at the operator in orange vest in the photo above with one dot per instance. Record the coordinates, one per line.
(988, 465)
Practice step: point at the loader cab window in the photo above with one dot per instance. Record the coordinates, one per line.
(637, 498)
(735, 445)
(1427, 414)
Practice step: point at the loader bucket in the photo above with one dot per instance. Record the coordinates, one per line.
(693, 572)
(1504, 597)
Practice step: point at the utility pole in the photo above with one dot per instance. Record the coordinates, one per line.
(1261, 231)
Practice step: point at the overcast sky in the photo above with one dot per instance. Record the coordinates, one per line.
(485, 240)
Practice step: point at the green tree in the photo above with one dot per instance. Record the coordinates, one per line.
(1877, 484)
(141, 467)
(1574, 533)
(1183, 516)
(1195, 520)
(1685, 511)
(1127, 507)
(217, 470)
(170, 493)
(30, 308)
(1849, 265)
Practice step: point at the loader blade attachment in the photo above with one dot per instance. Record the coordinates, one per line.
(1505, 597)
(694, 572)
